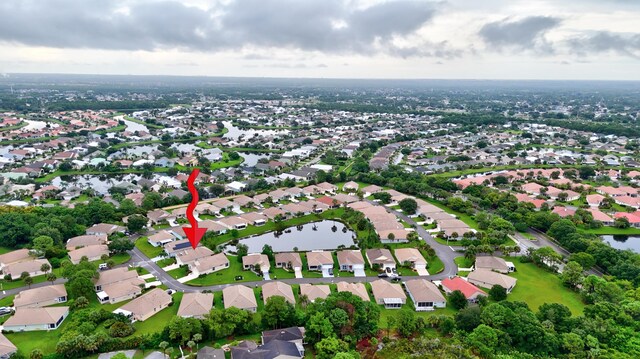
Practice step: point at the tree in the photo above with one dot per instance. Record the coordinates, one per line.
(407, 322)
(268, 251)
(484, 339)
(42, 243)
(80, 283)
(81, 302)
(318, 327)
(120, 245)
(383, 197)
(621, 222)
(163, 346)
(498, 293)
(557, 314)
(65, 166)
(572, 343)
(562, 229)
(391, 324)
(586, 172)
(121, 329)
(327, 348)
(127, 206)
(36, 354)
(241, 250)
(24, 277)
(278, 313)
(136, 222)
(51, 277)
(572, 274)
(468, 319)
(586, 260)
(182, 329)
(408, 206)
(231, 321)
(45, 267)
(198, 338)
(457, 300)
(234, 156)
(151, 200)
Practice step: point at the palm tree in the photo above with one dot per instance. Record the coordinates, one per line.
(45, 267)
(51, 277)
(304, 300)
(191, 344)
(163, 346)
(197, 338)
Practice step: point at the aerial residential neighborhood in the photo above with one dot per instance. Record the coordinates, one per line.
(281, 179)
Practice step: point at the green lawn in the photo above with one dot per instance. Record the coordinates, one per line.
(145, 247)
(463, 262)
(434, 264)
(43, 340)
(179, 272)
(385, 313)
(226, 275)
(6, 301)
(536, 286)
(121, 258)
(160, 320)
(6, 285)
(166, 262)
(612, 231)
(149, 125)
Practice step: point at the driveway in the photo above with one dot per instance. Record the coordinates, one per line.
(444, 252)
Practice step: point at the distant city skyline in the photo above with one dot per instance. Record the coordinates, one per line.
(452, 39)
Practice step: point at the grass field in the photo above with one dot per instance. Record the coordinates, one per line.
(536, 286)
(463, 262)
(145, 247)
(159, 321)
(226, 275)
(178, 272)
(612, 231)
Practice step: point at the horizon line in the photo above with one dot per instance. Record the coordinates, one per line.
(3, 75)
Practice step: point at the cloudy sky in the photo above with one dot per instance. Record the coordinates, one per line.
(471, 39)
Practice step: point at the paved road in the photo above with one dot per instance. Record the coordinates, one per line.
(542, 240)
(8, 292)
(444, 252)
(138, 259)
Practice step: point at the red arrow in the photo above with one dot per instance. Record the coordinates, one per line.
(193, 233)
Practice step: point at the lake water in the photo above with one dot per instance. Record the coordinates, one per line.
(142, 150)
(623, 242)
(37, 125)
(132, 126)
(251, 159)
(235, 133)
(307, 237)
(102, 183)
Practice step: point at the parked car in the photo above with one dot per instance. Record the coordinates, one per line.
(103, 266)
(5, 310)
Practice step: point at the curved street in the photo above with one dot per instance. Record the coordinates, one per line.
(138, 259)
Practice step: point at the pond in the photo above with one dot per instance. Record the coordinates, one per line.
(102, 183)
(623, 242)
(142, 150)
(133, 126)
(307, 237)
(235, 133)
(251, 159)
